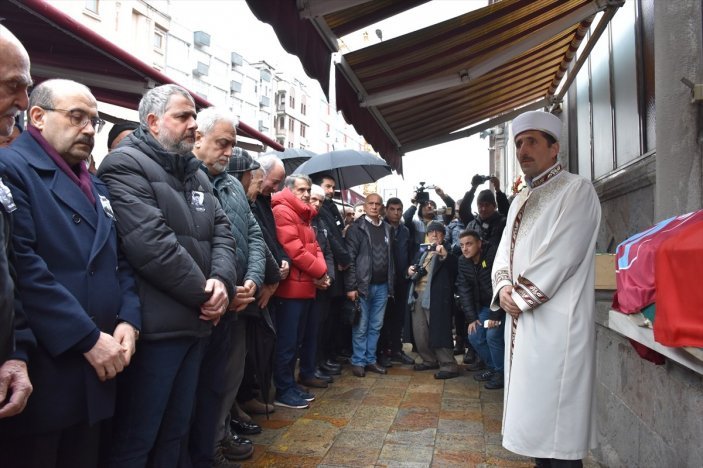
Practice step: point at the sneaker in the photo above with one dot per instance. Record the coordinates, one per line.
(496, 382)
(484, 376)
(290, 399)
(303, 394)
(235, 448)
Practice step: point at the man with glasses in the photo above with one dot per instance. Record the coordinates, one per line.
(76, 289)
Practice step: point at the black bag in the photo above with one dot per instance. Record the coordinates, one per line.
(351, 312)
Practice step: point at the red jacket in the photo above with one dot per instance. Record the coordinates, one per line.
(298, 239)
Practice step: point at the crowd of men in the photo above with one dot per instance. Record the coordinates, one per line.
(141, 304)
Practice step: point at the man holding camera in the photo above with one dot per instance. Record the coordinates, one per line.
(433, 275)
(426, 210)
(492, 209)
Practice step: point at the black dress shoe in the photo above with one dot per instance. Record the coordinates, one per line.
(332, 364)
(445, 375)
(385, 361)
(375, 367)
(330, 370)
(319, 374)
(245, 428)
(401, 358)
(423, 367)
(358, 371)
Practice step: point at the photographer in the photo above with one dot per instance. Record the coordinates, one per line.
(433, 275)
(490, 222)
(427, 213)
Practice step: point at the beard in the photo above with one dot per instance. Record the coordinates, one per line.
(174, 143)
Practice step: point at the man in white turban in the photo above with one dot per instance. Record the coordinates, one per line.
(543, 277)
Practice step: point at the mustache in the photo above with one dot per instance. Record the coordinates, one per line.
(12, 112)
(86, 140)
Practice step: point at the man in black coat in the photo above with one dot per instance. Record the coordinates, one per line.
(433, 275)
(178, 240)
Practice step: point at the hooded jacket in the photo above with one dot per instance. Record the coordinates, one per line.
(173, 232)
(297, 237)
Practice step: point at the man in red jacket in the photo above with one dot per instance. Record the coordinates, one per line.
(296, 294)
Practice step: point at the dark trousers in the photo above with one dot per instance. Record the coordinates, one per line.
(325, 338)
(155, 399)
(210, 395)
(460, 325)
(556, 463)
(73, 447)
(296, 333)
(394, 320)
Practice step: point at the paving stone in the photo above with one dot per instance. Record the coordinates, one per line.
(424, 437)
(409, 419)
(373, 418)
(382, 400)
(399, 455)
(460, 441)
(426, 387)
(499, 455)
(347, 457)
(347, 393)
(354, 439)
(307, 437)
(444, 457)
(422, 400)
(284, 460)
(333, 409)
(455, 404)
(461, 426)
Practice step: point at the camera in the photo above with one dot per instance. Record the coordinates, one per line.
(421, 194)
(480, 179)
(428, 247)
(420, 271)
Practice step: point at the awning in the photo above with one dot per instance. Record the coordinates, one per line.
(61, 47)
(470, 72)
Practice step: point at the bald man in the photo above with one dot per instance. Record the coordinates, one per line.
(15, 386)
(76, 289)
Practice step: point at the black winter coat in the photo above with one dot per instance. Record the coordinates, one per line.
(474, 286)
(173, 232)
(358, 276)
(441, 299)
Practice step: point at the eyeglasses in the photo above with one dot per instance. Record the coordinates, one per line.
(80, 119)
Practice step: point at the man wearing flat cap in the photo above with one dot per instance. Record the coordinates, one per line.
(543, 277)
(433, 274)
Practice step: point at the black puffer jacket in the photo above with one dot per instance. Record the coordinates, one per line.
(474, 287)
(173, 232)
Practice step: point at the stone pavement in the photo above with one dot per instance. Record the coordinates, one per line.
(402, 419)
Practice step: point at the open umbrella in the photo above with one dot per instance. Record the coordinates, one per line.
(293, 157)
(349, 167)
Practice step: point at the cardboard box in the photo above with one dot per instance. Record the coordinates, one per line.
(605, 271)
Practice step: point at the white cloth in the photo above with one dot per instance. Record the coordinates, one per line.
(549, 373)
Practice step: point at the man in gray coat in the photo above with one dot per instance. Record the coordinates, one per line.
(223, 364)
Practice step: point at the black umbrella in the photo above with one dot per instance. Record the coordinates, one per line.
(349, 167)
(293, 157)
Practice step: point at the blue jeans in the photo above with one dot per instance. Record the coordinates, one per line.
(296, 331)
(496, 344)
(365, 334)
(478, 339)
(155, 402)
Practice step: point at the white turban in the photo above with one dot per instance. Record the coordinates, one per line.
(537, 120)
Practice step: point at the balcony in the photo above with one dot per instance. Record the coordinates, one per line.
(201, 69)
(264, 101)
(235, 86)
(236, 59)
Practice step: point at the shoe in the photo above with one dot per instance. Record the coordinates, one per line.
(245, 428)
(236, 448)
(476, 366)
(345, 353)
(422, 367)
(496, 382)
(459, 347)
(330, 370)
(401, 358)
(291, 399)
(385, 360)
(254, 406)
(484, 376)
(358, 371)
(332, 365)
(322, 375)
(219, 460)
(238, 413)
(376, 368)
(441, 375)
(470, 356)
(307, 396)
(312, 382)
